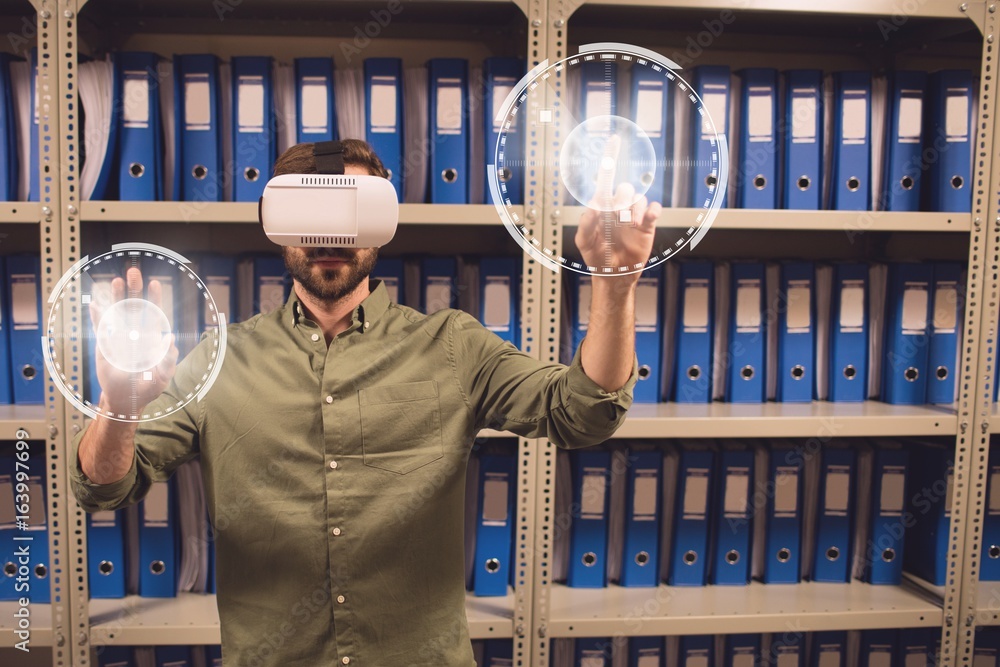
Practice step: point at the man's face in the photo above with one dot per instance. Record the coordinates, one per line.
(330, 274)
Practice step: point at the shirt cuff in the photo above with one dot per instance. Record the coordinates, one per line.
(92, 494)
(589, 395)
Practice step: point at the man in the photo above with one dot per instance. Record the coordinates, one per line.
(334, 445)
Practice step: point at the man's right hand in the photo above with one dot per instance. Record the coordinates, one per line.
(124, 392)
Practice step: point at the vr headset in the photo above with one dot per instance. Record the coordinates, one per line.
(325, 209)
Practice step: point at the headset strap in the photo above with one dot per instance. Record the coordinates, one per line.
(329, 157)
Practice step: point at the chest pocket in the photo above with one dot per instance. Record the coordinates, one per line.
(401, 426)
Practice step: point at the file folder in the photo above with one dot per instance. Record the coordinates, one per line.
(9, 158)
(255, 143)
(848, 376)
(24, 315)
(695, 333)
(787, 650)
(648, 336)
(218, 272)
(711, 84)
(449, 130)
(689, 546)
(115, 656)
(589, 538)
(797, 333)
(757, 184)
(645, 652)
(904, 142)
(500, 76)
(989, 566)
(746, 382)
(696, 650)
(741, 650)
(390, 272)
(931, 473)
(495, 524)
(904, 366)
(732, 531)
(384, 126)
(783, 526)
(106, 554)
(884, 561)
(158, 542)
(6, 388)
(916, 649)
(652, 110)
(641, 558)
(439, 290)
(850, 186)
(499, 285)
(199, 137)
(314, 101)
(829, 649)
(8, 526)
(942, 354)
(262, 285)
(835, 515)
(951, 118)
(173, 656)
(140, 157)
(803, 140)
(879, 648)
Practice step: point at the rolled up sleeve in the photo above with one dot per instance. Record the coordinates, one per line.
(511, 391)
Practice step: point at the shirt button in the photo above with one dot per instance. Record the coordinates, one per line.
(336, 531)
(367, 324)
(341, 599)
(346, 660)
(329, 399)
(333, 464)
(315, 337)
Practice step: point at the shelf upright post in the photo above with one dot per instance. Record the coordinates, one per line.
(978, 354)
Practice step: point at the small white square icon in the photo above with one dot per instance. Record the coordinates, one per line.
(147, 376)
(84, 298)
(545, 115)
(625, 217)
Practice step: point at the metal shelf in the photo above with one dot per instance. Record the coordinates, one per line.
(14, 418)
(786, 420)
(988, 603)
(789, 220)
(19, 212)
(193, 618)
(41, 624)
(243, 212)
(805, 607)
(926, 8)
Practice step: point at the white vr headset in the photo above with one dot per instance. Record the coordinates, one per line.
(325, 209)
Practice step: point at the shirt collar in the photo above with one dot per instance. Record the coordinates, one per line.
(368, 311)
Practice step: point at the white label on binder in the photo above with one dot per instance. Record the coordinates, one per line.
(36, 492)
(949, 490)
(106, 519)
(799, 315)
(743, 661)
(879, 659)
(717, 106)
(696, 307)
(760, 114)
(829, 658)
(984, 660)
(646, 302)
(496, 303)
(891, 499)
(748, 307)
(737, 487)
(852, 307)
(315, 105)
(271, 293)
(583, 303)
(592, 494)
(495, 502)
(218, 287)
(854, 118)
(915, 310)
(437, 294)
(917, 659)
(156, 505)
(804, 116)
(696, 661)
(911, 109)
(383, 105)
(649, 111)
(644, 498)
(994, 506)
(197, 102)
(956, 114)
(838, 492)
(788, 660)
(786, 491)
(945, 309)
(8, 516)
(696, 492)
(598, 103)
(392, 287)
(250, 99)
(592, 661)
(449, 107)
(24, 302)
(502, 85)
(648, 661)
(135, 91)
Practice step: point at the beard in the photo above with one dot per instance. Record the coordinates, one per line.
(329, 284)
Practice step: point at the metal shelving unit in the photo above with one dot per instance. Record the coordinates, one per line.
(41, 624)
(17, 418)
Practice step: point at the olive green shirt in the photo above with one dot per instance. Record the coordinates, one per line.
(335, 476)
